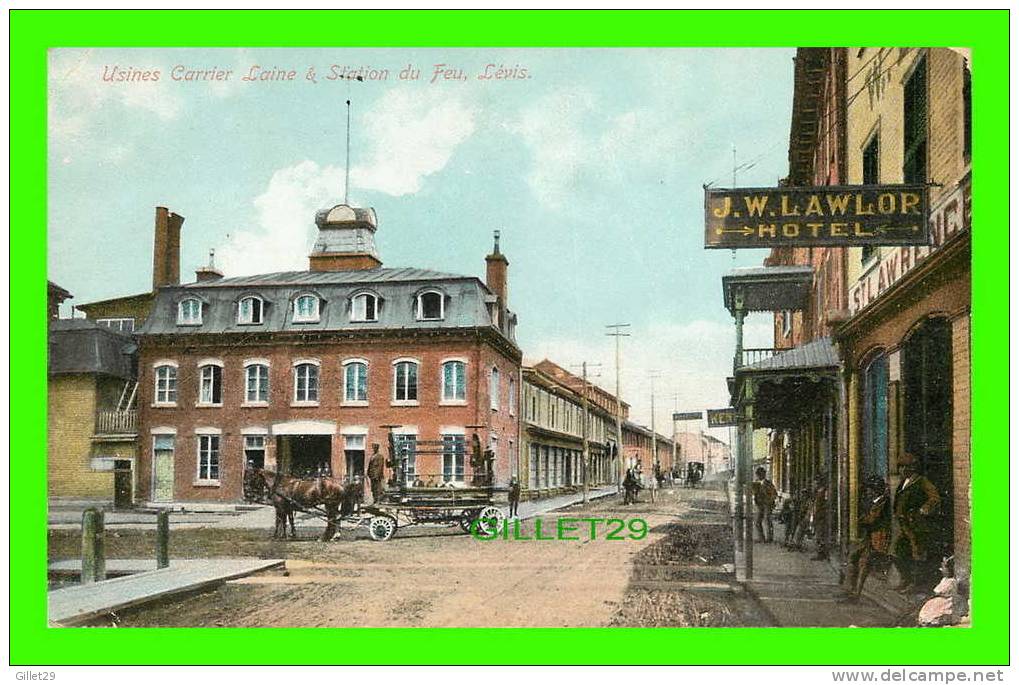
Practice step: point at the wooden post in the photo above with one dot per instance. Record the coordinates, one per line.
(163, 539)
(93, 556)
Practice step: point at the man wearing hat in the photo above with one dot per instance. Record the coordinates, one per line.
(916, 499)
(375, 473)
(876, 527)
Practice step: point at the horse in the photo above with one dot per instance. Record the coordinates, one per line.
(284, 508)
(333, 496)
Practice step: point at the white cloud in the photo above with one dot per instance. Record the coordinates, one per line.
(409, 134)
(692, 359)
(284, 229)
(77, 91)
(580, 153)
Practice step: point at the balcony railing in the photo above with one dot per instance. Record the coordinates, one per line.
(116, 422)
(752, 355)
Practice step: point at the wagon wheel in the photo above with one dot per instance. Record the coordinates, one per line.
(381, 528)
(490, 521)
(467, 518)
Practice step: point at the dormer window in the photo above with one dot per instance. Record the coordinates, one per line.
(189, 312)
(249, 310)
(430, 306)
(365, 307)
(306, 308)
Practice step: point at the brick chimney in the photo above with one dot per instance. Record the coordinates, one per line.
(495, 274)
(166, 249)
(346, 240)
(203, 274)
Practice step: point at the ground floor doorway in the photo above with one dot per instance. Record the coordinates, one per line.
(304, 456)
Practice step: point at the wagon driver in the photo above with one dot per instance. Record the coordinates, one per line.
(375, 473)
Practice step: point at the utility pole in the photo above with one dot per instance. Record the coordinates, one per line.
(653, 374)
(617, 463)
(585, 428)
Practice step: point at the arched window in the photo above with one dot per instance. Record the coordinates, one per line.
(210, 387)
(405, 381)
(364, 307)
(355, 381)
(189, 312)
(249, 310)
(306, 308)
(511, 397)
(493, 388)
(454, 380)
(166, 384)
(256, 383)
(306, 382)
(430, 306)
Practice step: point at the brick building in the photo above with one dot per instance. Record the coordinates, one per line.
(304, 371)
(905, 344)
(871, 344)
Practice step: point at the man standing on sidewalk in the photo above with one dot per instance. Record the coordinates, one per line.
(764, 493)
(916, 499)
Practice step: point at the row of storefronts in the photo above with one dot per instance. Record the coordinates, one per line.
(871, 361)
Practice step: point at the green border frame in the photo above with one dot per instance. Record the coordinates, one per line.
(33, 32)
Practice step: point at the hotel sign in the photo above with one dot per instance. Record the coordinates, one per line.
(720, 418)
(686, 416)
(841, 216)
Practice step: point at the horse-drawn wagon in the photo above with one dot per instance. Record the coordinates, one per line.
(457, 497)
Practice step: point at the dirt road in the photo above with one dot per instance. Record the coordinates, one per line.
(676, 575)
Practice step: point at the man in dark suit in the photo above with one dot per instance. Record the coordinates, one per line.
(916, 499)
(375, 473)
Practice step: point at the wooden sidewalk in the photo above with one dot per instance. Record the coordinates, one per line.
(82, 603)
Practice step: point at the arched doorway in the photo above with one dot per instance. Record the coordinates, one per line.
(927, 416)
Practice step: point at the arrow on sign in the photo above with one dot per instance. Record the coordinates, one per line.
(746, 230)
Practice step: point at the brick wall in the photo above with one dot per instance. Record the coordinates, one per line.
(961, 451)
(429, 416)
(70, 424)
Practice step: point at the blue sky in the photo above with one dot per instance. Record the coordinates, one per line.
(591, 167)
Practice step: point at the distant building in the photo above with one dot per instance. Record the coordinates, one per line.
(552, 430)
(55, 297)
(703, 448)
(303, 371)
(92, 416)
